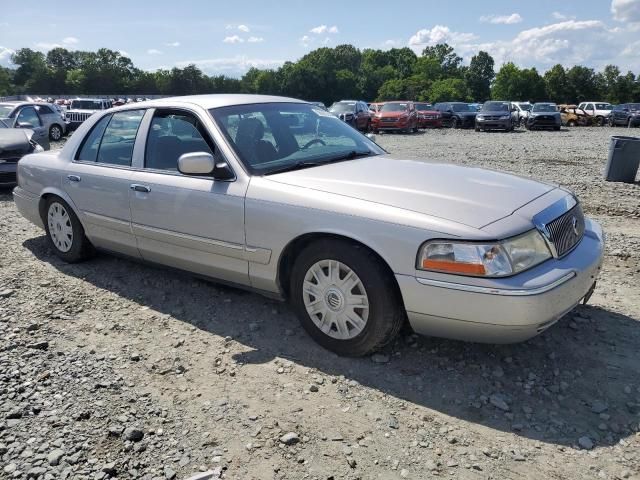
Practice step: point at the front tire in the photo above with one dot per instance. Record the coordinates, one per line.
(454, 122)
(344, 298)
(55, 132)
(65, 233)
(599, 121)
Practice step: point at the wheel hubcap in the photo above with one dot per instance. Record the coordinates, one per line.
(335, 299)
(56, 133)
(60, 228)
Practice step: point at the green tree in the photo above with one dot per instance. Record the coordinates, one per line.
(6, 81)
(449, 89)
(583, 84)
(32, 74)
(512, 83)
(393, 89)
(479, 76)
(446, 56)
(556, 84)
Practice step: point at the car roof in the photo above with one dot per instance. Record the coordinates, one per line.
(214, 100)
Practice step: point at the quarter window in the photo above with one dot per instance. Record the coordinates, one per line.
(172, 134)
(44, 110)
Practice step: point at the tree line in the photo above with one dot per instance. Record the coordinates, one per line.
(325, 74)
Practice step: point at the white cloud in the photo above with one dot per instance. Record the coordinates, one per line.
(173, 44)
(70, 40)
(320, 29)
(304, 40)
(560, 16)
(626, 10)
(255, 39)
(123, 53)
(231, 66)
(154, 51)
(5, 55)
(439, 34)
(502, 19)
(233, 39)
(243, 28)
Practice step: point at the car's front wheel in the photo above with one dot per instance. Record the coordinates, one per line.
(343, 296)
(454, 122)
(65, 232)
(55, 132)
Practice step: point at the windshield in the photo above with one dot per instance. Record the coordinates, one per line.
(270, 137)
(85, 105)
(525, 106)
(423, 107)
(462, 107)
(394, 107)
(5, 110)
(634, 107)
(545, 107)
(495, 107)
(343, 107)
(603, 106)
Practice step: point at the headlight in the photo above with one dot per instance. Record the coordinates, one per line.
(499, 259)
(505, 117)
(480, 117)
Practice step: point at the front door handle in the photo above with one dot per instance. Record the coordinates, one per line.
(73, 178)
(136, 187)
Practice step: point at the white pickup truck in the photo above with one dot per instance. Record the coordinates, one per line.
(598, 111)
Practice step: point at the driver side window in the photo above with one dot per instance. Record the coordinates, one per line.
(28, 115)
(173, 133)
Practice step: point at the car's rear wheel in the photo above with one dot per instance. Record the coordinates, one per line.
(55, 132)
(454, 122)
(571, 123)
(630, 123)
(343, 297)
(65, 232)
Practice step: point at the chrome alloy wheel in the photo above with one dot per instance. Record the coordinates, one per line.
(60, 227)
(335, 299)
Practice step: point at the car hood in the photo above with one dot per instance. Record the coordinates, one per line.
(493, 112)
(15, 139)
(393, 114)
(466, 114)
(535, 114)
(467, 195)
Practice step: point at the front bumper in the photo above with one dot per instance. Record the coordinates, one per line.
(510, 310)
(8, 174)
(430, 122)
(493, 124)
(538, 122)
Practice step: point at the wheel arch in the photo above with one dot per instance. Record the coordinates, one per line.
(294, 247)
(55, 192)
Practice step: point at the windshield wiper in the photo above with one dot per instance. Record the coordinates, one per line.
(309, 163)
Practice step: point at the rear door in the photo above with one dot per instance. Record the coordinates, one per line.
(28, 116)
(98, 180)
(194, 223)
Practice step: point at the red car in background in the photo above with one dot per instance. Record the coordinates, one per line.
(398, 116)
(375, 107)
(428, 117)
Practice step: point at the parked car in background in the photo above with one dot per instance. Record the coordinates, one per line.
(457, 114)
(375, 107)
(82, 108)
(627, 114)
(398, 116)
(25, 117)
(14, 144)
(544, 115)
(428, 116)
(357, 240)
(523, 109)
(319, 105)
(572, 116)
(44, 118)
(353, 112)
(497, 115)
(598, 111)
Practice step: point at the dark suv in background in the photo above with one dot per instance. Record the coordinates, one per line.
(353, 112)
(497, 115)
(457, 114)
(627, 114)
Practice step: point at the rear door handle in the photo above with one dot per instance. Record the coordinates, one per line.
(136, 187)
(73, 178)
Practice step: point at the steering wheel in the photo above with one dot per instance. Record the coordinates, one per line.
(313, 142)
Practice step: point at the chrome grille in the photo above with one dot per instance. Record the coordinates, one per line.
(389, 119)
(566, 231)
(78, 117)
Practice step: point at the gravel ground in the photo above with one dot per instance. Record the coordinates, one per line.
(116, 369)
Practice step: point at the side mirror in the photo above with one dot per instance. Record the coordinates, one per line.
(196, 163)
(24, 125)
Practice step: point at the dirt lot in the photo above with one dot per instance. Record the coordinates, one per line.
(115, 369)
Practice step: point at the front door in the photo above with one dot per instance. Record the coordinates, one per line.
(194, 223)
(98, 181)
(28, 117)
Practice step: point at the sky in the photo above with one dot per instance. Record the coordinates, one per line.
(228, 37)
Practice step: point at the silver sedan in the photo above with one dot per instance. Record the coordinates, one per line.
(279, 196)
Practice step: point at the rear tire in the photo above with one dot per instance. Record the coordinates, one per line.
(65, 233)
(55, 132)
(571, 123)
(454, 122)
(334, 270)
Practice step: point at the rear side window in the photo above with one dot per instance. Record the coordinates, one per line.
(111, 140)
(44, 110)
